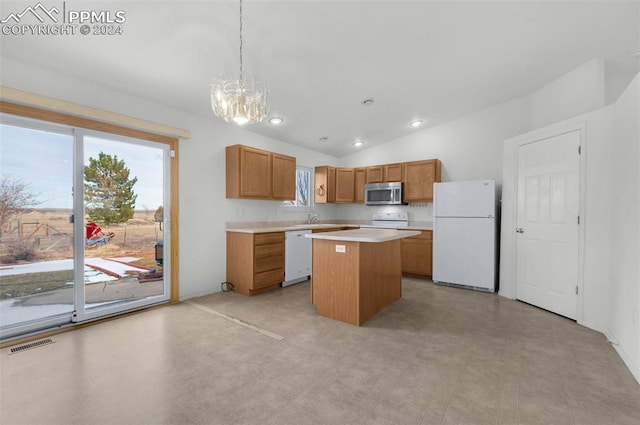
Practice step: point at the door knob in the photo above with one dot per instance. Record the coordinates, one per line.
(519, 230)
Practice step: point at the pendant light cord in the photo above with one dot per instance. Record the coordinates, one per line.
(241, 79)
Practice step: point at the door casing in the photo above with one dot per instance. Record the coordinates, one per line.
(508, 243)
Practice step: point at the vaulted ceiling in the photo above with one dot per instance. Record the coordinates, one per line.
(429, 60)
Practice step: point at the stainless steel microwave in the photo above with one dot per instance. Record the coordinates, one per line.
(383, 193)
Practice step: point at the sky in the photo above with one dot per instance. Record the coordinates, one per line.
(44, 161)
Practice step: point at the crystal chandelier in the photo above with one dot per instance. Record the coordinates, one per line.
(241, 100)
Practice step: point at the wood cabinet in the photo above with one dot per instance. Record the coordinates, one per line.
(384, 173)
(255, 261)
(344, 185)
(375, 174)
(258, 174)
(359, 180)
(355, 283)
(283, 177)
(332, 229)
(417, 254)
(325, 184)
(339, 185)
(393, 172)
(419, 177)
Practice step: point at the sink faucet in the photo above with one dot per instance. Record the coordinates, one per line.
(312, 218)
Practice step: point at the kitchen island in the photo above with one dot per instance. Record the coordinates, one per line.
(356, 273)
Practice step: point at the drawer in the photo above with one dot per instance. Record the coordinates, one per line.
(268, 278)
(268, 238)
(262, 251)
(269, 263)
(425, 234)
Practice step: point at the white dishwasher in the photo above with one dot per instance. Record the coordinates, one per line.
(297, 259)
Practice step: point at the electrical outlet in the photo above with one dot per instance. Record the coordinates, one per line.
(341, 248)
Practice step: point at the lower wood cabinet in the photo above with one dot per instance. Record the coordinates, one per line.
(417, 254)
(333, 229)
(255, 261)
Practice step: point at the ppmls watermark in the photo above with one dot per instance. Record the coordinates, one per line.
(60, 20)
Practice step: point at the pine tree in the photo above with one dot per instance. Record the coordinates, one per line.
(108, 191)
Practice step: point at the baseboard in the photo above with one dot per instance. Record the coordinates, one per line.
(626, 358)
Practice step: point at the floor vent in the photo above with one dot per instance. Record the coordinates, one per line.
(30, 345)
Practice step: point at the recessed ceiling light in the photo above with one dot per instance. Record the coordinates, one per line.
(323, 139)
(368, 101)
(358, 143)
(275, 120)
(416, 123)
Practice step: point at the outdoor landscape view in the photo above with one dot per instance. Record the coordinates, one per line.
(122, 235)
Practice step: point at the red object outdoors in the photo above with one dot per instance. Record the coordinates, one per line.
(93, 230)
(95, 235)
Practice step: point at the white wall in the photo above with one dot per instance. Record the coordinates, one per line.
(470, 148)
(204, 210)
(578, 91)
(623, 327)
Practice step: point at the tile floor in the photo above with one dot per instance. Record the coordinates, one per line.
(439, 355)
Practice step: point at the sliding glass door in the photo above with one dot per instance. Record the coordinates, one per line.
(125, 196)
(36, 233)
(84, 222)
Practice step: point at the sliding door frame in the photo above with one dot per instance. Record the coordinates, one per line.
(98, 126)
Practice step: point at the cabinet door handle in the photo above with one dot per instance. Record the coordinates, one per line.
(519, 230)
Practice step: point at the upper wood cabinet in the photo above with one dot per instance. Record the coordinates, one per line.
(283, 170)
(375, 174)
(258, 174)
(385, 173)
(345, 185)
(359, 180)
(393, 172)
(325, 184)
(419, 177)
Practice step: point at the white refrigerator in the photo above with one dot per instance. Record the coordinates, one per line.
(464, 234)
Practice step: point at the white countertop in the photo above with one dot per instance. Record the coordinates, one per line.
(365, 235)
(274, 227)
(287, 227)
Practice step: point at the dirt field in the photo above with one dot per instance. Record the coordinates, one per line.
(49, 232)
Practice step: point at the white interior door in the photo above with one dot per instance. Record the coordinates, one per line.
(547, 223)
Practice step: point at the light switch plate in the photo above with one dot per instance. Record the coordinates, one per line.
(341, 248)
